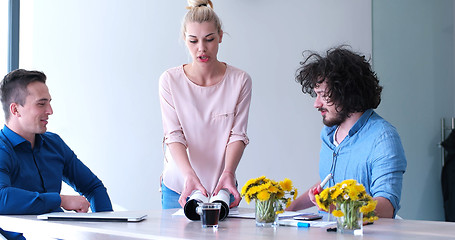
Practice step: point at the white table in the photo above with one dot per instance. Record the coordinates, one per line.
(161, 224)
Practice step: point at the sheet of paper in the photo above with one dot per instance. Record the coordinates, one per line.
(286, 214)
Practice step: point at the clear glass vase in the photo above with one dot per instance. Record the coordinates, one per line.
(352, 221)
(266, 215)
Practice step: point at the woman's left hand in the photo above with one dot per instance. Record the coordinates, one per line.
(227, 181)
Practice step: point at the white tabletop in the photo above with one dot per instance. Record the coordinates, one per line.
(161, 224)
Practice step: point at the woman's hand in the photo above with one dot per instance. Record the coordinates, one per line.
(192, 183)
(227, 181)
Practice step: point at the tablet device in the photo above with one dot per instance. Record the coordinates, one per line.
(121, 216)
(308, 217)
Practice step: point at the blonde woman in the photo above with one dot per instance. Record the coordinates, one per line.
(204, 107)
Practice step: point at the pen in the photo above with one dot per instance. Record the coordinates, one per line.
(293, 223)
(323, 183)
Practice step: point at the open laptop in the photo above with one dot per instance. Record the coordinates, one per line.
(120, 216)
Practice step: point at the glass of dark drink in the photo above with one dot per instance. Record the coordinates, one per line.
(210, 214)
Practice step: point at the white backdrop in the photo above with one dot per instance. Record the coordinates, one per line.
(103, 59)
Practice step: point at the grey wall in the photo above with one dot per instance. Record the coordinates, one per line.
(103, 59)
(413, 52)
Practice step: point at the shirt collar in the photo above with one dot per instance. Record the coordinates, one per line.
(361, 122)
(16, 139)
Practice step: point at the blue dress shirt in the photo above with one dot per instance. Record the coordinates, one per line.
(31, 179)
(371, 153)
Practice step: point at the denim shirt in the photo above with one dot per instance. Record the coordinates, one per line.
(371, 154)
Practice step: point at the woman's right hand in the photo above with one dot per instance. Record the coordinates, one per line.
(192, 183)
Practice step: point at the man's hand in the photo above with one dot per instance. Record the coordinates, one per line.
(312, 192)
(75, 203)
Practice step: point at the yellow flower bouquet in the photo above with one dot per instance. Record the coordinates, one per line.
(271, 198)
(350, 198)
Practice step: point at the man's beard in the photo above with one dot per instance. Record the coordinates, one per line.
(339, 118)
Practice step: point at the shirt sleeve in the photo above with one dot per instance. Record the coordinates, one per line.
(239, 129)
(18, 201)
(389, 164)
(84, 181)
(172, 127)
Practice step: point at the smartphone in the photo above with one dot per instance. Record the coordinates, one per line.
(308, 217)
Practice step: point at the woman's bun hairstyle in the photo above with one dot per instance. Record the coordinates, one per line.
(199, 3)
(200, 11)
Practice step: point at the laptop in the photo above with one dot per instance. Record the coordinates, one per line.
(120, 216)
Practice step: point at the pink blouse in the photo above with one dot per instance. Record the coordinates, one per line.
(205, 120)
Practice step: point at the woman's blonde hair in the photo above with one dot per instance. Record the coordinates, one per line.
(200, 11)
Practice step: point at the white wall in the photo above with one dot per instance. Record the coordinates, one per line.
(414, 58)
(103, 59)
(3, 40)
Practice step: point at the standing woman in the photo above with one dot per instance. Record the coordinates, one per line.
(204, 107)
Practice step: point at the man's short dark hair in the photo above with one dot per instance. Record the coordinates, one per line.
(351, 84)
(14, 87)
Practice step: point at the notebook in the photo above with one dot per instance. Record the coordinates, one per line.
(120, 216)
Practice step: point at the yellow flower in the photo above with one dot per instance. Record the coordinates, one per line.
(263, 195)
(280, 194)
(353, 194)
(273, 189)
(370, 219)
(369, 207)
(349, 182)
(253, 190)
(336, 193)
(264, 189)
(348, 192)
(359, 188)
(247, 199)
(288, 202)
(286, 184)
(324, 194)
(337, 213)
(320, 203)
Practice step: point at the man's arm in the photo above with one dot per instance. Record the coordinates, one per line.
(388, 167)
(304, 201)
(84, 181)
(19, 201)
(14, 200)
(384, 208)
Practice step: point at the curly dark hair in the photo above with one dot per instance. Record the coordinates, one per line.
(351, 84)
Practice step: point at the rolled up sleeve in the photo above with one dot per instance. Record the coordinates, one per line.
(172, 127)
(388, 169)
(239, 129)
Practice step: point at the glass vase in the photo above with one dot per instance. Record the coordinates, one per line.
(352, 220)
(266, 215)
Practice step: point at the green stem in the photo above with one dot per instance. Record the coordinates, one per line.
(351, 215)
(265, 210)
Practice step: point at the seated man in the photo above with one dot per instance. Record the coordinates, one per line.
(34, 162)
(356, 142)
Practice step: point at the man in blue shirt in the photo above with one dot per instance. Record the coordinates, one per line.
(34, 162)
(356, 142)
